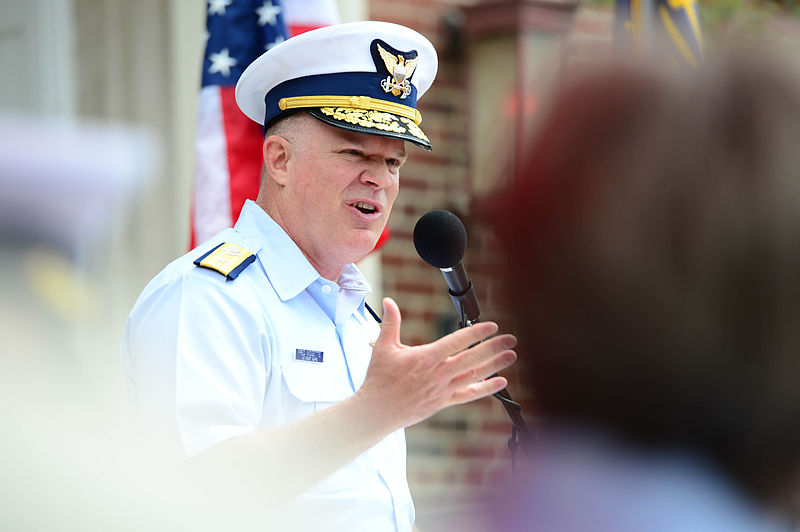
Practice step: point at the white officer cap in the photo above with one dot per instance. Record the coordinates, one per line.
(363, 76)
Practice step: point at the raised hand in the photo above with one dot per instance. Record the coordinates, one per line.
(408, 384)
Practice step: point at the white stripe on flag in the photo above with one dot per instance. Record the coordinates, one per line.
(310, 12)
(212, 198)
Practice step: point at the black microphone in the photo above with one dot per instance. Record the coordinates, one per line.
(440, 239)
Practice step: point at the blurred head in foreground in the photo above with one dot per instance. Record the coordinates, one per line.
(653, 249)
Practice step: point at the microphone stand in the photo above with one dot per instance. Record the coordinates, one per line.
(466, 304)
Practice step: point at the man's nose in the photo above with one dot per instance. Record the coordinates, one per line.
(376, 175)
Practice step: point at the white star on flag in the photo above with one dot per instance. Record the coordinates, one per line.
(268, 13)
(221, 62)
(217, 7)
(279, 39)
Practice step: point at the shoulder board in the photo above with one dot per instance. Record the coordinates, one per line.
(228, 259)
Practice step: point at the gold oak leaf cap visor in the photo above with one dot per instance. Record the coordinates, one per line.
(363, 76)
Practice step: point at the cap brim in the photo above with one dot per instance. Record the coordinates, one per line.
(372, 122)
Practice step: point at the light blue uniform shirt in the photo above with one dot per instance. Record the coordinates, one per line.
(208, 359)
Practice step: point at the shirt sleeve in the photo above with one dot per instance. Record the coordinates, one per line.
(198, 350)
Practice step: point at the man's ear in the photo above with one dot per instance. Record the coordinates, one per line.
(277, 152)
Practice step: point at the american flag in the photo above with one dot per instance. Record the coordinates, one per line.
(228, 148)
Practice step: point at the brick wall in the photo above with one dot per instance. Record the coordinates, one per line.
(460, 453)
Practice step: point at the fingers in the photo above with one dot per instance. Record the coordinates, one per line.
(469, 368)
(390, 323)
(477, 390)
(484, 359)
(485, 369)
(463, 338)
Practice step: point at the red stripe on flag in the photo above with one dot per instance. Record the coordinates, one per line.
(297, 29)
(245, 138)
(383, 238)
(192, 234)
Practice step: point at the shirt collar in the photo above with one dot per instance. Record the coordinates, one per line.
(352, 279)
(285, 265)
(353, 290)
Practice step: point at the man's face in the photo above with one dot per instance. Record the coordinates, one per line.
(340, 190)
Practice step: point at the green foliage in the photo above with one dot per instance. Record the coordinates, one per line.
(746, 22)
(720, 11)
(743, 20)
(716, 11)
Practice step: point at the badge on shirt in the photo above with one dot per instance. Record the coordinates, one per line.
(307, 355)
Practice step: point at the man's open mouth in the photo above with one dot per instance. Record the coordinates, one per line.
(365, 208)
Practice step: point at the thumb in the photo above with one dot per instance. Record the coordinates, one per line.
(390, 326)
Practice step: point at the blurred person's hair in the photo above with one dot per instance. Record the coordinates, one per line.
(653, 262)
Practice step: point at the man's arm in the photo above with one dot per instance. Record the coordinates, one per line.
(403, 386)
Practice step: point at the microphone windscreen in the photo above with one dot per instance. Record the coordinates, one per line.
(440, 238)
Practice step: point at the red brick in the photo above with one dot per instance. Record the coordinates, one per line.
(417, 340)
(477, 451)
(412, 183)
(402, 233)
(392, 260)
(474, 476)
(497, 427)
(415, 288)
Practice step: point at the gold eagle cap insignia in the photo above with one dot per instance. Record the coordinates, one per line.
(400, 70)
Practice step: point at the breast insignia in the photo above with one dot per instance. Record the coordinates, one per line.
(228, 259)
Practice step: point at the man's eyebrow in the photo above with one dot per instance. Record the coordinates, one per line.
(360, 142)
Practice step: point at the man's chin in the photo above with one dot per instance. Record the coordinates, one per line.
(364, 246)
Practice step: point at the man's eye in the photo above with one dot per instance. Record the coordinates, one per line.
(393, 163)
(354, 153)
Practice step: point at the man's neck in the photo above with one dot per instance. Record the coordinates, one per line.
(329, 273)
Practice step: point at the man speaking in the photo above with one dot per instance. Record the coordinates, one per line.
(255, 353)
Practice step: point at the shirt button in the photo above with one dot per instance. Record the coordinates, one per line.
(326, 289)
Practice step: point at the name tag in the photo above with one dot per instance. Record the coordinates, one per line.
(307, 355)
